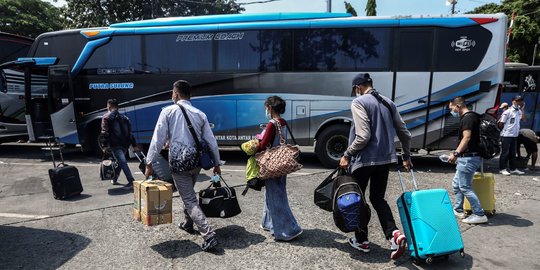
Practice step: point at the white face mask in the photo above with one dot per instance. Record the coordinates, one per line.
(267, 114)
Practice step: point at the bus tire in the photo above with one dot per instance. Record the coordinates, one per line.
(331, 143)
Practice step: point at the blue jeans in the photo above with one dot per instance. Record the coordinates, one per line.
(120, 154)
(277, 215)
(465, 169)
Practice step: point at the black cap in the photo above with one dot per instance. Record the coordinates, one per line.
(517, 98)
(361, 78)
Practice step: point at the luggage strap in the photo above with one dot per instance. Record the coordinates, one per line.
(406, 210)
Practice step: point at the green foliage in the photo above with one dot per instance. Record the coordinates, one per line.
(93, 13)
(371, 8)
(350, 9)
(29, 17)
(526, 29)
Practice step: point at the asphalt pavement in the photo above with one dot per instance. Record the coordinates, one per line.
(97, 231)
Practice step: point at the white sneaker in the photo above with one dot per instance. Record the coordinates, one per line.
(516, 171)
(114, 182)
(505, 172)
(460, 215)
(474, 219)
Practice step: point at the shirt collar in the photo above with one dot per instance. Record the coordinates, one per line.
(183, 101)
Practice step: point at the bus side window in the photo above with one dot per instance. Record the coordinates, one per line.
(415, 50)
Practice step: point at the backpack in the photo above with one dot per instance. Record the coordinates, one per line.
(489, 142)
(350, 209)
(119, 134)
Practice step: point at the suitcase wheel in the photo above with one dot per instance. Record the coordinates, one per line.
(462, 253)
(416, 261)
(429, 260)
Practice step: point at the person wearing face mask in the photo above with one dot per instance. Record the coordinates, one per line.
(370, 155)
(117, 137)
(277, 214)
(509, 125)
(172, 129)
(468, 161)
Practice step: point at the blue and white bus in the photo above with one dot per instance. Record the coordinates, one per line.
(235, 61)
(12, 124)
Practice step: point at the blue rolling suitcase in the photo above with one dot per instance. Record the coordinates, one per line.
(429, 224)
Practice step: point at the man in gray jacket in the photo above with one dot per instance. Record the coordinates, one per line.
(370, 154)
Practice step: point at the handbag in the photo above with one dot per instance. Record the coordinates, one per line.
(218, 201)
(202, 153)
(109, 168)
(324, 193)
(280, 160)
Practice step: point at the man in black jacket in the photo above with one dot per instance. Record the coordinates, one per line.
(116, 130)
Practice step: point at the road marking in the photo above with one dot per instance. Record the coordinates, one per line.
(11, 215)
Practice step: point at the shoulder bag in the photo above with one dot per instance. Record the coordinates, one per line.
(205, 158)
(280, 160)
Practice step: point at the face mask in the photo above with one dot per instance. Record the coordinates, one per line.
(267, 114)
(454, 114)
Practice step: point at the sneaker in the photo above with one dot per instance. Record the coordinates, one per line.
(114, 182)
(364, 246)
(291, 237)
(505, 172)
(128, 186)
(188, 229)
(474, 219)
(209, 244)
(516, 171)
(398, 244)
(460, 215)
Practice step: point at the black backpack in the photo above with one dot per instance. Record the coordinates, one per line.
(350, 209)
(119, 131)
(489, 142)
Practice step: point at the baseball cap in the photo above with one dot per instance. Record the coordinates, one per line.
(503, 105)
(361, 78)
(517, 98)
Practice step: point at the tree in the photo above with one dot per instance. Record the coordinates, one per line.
(526, 29)
(371, 8)
(29, 17)
(350, 9)
(92, 13)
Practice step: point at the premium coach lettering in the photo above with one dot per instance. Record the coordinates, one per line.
(109, 86)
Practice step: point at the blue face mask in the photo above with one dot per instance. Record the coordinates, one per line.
(454, 114)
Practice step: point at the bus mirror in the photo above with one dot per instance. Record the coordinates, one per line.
(485, 86)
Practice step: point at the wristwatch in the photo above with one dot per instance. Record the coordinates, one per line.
(456, 153)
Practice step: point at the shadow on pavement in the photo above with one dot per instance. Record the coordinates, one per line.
(230, 237)
(454, 262)
(318, 238)
(118, 191)
(29, 248)
(78, 198)
(501, 219)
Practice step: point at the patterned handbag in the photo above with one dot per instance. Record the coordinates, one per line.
(280, 160)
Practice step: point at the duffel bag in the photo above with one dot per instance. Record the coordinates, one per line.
(219, 201)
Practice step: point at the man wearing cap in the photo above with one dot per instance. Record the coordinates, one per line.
(509, 125)
(528, 138)
(370, 154)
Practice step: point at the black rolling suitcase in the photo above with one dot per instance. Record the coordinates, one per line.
(65, 179)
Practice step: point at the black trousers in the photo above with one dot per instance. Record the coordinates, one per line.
(378, 175)
(508, 153)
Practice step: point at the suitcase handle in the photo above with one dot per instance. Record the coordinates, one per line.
(413, 179)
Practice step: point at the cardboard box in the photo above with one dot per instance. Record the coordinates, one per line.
(137, 200)
(156, 202)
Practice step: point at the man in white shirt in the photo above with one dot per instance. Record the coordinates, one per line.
(509, 125)
(172, 129)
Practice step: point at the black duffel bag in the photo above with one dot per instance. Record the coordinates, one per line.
(324, 193)
(218, 201)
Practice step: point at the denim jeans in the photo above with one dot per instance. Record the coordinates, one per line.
(377, 176)
(120, 154)
(465, 169)
(508, 153)
(277, 215)
(193, 214)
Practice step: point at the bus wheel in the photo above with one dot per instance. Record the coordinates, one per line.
(331, 144)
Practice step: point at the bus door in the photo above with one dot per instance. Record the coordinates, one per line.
(413, 80)
(529, 91)
(300, 122)
(61, 104)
